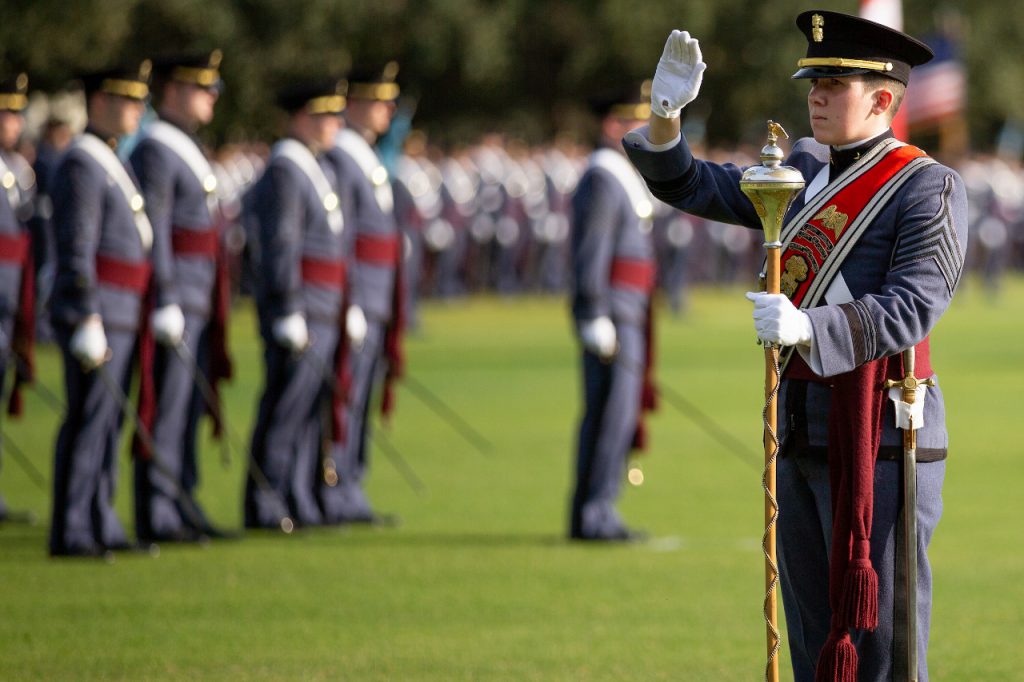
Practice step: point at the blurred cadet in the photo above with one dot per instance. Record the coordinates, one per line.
(448, 235)
(612, 279)
(375, 318)
(562, 174)
(873, 251)
(17, 276)
(103, 272)
(54, 138)
(418, 205)
(673, 233)
(299, 296)
(190, 287)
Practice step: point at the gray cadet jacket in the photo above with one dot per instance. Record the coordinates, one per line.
(900, 276)
(17, 185)
(376, 232)
(612, 214)
(300, 231)
(94, 219)
(182, 208)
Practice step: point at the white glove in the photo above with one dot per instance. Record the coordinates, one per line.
(290, 331)
(355, 326)
(168, 324)
(678, 76)
(779, 322)
(89, 343)
(598, 336)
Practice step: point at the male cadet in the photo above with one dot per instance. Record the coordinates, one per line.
(103, 271)
(17, 303)
(299, 295)
(880, 293)
(612, 255)
(377, 289)
(179, 187)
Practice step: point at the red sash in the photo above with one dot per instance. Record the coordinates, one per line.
(185, 242)
(806, 254)
(14, 248)
(329, 274)
(383, 251)
(123, 274)
(632, 273)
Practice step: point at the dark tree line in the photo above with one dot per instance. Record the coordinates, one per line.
(526, 67)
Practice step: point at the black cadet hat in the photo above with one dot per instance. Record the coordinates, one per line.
(13, 93)
(318, 96)
(843, 45)
(126, 81)
(194, 68)
(374, 83)
(631, 102)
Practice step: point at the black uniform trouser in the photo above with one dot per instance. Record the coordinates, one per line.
(611, 393)
(286, 442)
(85, 466)
(164, 502)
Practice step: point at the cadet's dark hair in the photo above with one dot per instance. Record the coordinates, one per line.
(898, 89)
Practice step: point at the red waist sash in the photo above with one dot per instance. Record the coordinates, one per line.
(798, 369)
(325, 273)
(14, 248)
(131, 275)
(186, 242)
(633, 273)
(374, 250)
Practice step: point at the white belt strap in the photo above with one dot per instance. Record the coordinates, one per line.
(115, 170)
(299, 154)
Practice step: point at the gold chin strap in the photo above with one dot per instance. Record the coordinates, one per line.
(15, 102)
(844, 63)
(202, 77)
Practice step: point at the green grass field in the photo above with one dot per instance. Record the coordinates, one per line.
(478, 583)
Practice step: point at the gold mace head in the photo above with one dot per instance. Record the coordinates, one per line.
(771, 187)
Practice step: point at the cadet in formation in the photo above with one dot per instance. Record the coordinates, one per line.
(180, 190)
(873, 252)
(103, 242)
(613, 276)
(377, 288)
(17, 302)
(300, 293)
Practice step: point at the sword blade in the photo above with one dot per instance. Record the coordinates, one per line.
(910, 540)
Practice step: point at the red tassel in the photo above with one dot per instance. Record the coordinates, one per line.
(860, 596)
(838, 660)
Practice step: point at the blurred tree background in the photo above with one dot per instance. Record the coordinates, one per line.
(525, 67)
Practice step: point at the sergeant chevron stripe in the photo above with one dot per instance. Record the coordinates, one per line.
(935, 239)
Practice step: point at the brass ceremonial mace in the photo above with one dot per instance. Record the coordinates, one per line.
(771, 188)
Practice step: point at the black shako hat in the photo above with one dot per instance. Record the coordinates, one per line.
(194, 68)
(317, 96)
(13, 93)
(374, 83)
(125, 81)
(843, 45)
(631, 102)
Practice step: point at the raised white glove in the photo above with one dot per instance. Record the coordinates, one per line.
(355, 326)
(779, 322)
(89, 343)
(598, 336)
(168, 324)
(290, 331)
(678, 76)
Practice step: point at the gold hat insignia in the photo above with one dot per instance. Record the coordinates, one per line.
(818, 28)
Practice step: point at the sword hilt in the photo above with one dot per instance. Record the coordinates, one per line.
(909, 383)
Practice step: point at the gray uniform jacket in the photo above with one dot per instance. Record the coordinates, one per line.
(92, 217)
(175, 200)
(293, 226)
(16, 192)
(373, 218)
(606, 227)
(901, 274)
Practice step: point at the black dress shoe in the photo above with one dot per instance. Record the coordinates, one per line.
(178, 535)
(82, 552)
(128, 547)
(215, 533)
(374, 519)
(622, 534)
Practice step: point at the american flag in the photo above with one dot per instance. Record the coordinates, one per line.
(938, 90)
